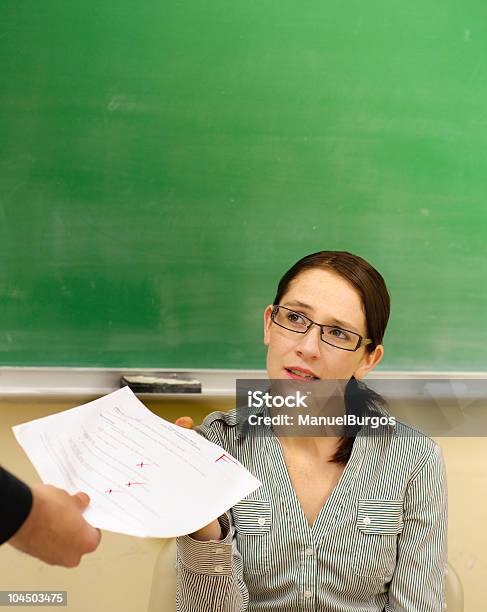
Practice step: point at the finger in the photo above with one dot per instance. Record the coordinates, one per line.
(181, 421)
(93, 539)
(186, 422)
(82, 499)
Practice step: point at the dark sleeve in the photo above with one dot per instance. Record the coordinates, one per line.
(15, 504)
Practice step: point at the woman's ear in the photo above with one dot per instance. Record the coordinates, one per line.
(369, 361)
(267, 324)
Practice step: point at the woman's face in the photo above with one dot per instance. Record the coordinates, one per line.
(324, 297)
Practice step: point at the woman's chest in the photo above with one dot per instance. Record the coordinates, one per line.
(353, 547)
(313, 485)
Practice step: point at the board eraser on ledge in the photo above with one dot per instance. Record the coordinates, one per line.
(156, 384)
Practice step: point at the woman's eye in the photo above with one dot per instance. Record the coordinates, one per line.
(338, 333)
(293, 317)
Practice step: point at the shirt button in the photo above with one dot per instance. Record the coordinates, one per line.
(446, 571)
(366, 520)
(308, 594)
(218, 569)
(261, 521)
(309, 552)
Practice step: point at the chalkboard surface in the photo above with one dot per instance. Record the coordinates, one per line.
(163, 163)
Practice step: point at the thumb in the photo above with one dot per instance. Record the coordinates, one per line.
(93, 538)
(185, 421)
(82, 500)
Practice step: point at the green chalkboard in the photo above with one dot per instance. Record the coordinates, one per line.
(163, 163)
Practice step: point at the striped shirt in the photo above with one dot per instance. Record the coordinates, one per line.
(377, 545)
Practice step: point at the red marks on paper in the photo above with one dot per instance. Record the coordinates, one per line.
(127, 484)
(226, 459)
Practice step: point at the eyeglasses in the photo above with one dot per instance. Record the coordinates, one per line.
(331, 334)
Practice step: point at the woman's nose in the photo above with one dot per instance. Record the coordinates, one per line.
(309, 344)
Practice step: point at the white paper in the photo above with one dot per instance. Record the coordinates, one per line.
(145, 476)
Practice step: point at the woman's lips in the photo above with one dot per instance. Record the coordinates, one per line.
(306, 376)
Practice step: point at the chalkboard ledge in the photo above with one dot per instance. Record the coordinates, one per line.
(217, 385)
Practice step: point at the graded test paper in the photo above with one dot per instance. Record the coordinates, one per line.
(145, 476)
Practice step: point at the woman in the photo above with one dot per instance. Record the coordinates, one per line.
(339, 523)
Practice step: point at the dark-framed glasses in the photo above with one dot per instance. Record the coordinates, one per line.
(331, 334)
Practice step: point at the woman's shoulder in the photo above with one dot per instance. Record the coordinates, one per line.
(399, 430)
(420, 438)
(407, 445)
(414, 446)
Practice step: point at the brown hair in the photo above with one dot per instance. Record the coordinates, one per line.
(371, 287)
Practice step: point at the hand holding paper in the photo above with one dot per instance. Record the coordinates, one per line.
(145, 476)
